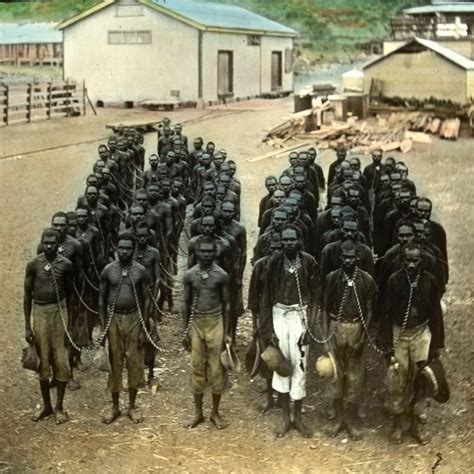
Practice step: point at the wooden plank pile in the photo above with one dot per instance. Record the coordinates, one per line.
(398, 131)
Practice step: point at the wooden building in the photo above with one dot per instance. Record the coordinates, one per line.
(422, 69)
(31, 44)
(176, 50)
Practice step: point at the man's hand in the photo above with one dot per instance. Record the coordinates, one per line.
(29, 336)
(228, 339)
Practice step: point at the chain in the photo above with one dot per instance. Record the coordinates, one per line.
(92, 256)
(82, 301)
(86, 278)
(294, 269)
(142, 321)
(155, 304)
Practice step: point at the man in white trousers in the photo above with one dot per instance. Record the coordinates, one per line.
(291, 296)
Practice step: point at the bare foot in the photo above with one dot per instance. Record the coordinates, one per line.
(354, 432)
(268, 405)
(302, 428)
(217, 421)
(396, 435)
(112, 417)
(418, 435)
(41, 415)
(283, 428)
(197, 420)
(73, 385)
(134, 415)
(61, 417)
(336, 428)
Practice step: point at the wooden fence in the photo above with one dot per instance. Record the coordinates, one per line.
(25, 103)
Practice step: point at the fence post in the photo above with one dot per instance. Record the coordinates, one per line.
(7, 121)
(48, 112)
(28, 102)
(84, 97)
(67, 97)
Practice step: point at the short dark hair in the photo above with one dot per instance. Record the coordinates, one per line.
(59, 214)
(204, 239)
(126, 235)
(143, 225)
(299, 234)
(405, 222)
(49, 232)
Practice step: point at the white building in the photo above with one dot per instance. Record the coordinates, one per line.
(159, 50)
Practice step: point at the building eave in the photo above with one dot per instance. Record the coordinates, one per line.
(80, 16)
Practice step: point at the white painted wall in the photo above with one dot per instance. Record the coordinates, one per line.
(137, 72)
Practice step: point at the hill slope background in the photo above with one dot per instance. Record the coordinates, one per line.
(329, 28)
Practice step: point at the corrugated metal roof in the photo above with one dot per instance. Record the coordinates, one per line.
(18, 33)
(202, 15)
(218, 15)
(449, 54)
(454, 7)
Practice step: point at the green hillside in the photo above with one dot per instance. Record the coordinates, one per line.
(330, 27)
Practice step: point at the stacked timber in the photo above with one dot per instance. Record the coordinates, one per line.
(398, 131)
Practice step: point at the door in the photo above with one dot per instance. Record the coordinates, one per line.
(276, 70)
(225, 72)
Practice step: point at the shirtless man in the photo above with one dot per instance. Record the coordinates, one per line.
(123, 303)
(207, 328)
(48, 292)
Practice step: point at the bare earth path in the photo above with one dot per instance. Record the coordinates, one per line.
(35, 186)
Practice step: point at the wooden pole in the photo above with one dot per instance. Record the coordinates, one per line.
(90, 103)
(28, 102)
(279, 152)
(48, 112)
(67, 98)
(6, 105)
(84, 97)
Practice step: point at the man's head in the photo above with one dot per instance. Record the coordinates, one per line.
(71, 223)
(348, 255)
(178, 128)
(103, 152)
(99, 166)
(125, 247)
(142, 195)
(206, 160)
(403, 200)
(82, 216)
(176, 186)
(232, 168)
(227, 211)
(205, 250)
(208, 225)
(106, 174)
(293, 158)
(137, 214)
(218, 159)
(412, 258)
(421, 231)
(50, 242)
(353, 197)
(208, 206)
(349, 227)
(312, 154)
(165, 185)
(285, 184)
(220, 192)
(198, 143)
(402, 168)
(389, 164)
(166, 131)
(271, 184)
(336, 201)
(377, 156)
(291, 239)
(300, 182)
(279, 197)
(335, 213)
(275, 242)
(92, 180)
(59, 224)
(224, 180)
(424, 208)
(210, 148)
(355, 163)
(92, 195)
(279, 218)
(341, 154)
(153, 160)
(405, 232)
(210, 190)
(142, 234)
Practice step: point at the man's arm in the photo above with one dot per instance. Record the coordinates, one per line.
(144, 301)
(28, 299)
(103, 296)
(156, 272)
(243, 253)
(226, 307)
(69, 276)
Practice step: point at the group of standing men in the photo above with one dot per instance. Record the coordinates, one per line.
(370, 270)
(112, 262)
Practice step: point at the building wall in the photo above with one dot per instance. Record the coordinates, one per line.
(470, 86)
(462, 46)
(419, 75)
(252, 64)
(132, 72)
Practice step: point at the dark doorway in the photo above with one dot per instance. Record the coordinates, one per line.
(277, 72)
(225, 73)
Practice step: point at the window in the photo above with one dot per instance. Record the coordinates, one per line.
(254, 40)
(129, 37)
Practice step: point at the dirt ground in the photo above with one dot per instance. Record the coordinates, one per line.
(34, 185)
